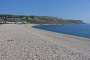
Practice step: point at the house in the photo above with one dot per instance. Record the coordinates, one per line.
(9, 19)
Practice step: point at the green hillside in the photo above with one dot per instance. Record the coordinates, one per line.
(37, 19)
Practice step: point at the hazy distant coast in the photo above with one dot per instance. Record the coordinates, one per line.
(37, 19)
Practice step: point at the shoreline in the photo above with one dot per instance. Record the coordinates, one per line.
(79, 40)
(69, 35)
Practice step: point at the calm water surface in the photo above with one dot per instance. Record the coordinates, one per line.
(82, 30)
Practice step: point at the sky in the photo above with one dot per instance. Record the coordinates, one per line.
(68, 9)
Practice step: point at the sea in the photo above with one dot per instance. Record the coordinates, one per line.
(82, 30)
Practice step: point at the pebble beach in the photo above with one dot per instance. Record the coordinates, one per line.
(22, 42)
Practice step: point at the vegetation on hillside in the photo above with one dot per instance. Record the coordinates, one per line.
(36, 19)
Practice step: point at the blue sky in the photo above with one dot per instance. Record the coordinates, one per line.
(69, 9)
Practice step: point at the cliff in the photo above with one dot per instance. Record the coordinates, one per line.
(52, 20)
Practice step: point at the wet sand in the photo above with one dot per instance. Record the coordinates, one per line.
(22, 42)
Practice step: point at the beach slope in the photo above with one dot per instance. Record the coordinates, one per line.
(22, 42)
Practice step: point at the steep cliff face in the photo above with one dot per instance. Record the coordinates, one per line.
(38, 19)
